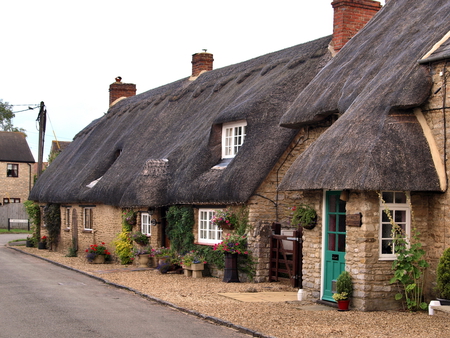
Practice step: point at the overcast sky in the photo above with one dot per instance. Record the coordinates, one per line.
(68, 53)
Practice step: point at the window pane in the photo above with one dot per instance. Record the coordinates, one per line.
(341, 227)
(400, 197)
(388, 197)
(341, 243)
(332, 223)
(332, 204)
(386, 231)
(342, 205)
(386, 247)
(384, 217)
(400, 216)
(332, 242)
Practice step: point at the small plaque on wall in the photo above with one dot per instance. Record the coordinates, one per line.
(353, 220)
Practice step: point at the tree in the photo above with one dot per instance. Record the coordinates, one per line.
(6, 116)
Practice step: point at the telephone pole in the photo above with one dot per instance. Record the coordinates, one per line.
(42, 119)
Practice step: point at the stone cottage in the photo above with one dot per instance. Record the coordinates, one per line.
(387, 89)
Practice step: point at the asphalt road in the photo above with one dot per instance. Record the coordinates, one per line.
(40, 299)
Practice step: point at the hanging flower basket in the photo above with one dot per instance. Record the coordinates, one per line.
(304, 216)
(225, 219)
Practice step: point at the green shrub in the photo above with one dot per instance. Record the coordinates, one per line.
(344, 283)
(443, 275)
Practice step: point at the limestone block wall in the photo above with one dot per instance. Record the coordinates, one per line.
(106, 224)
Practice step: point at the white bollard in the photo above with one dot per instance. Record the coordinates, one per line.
(433, 303)
(300, 295)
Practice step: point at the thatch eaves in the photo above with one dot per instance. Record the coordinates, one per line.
(161, 147)
(373, 83)
(14, 147)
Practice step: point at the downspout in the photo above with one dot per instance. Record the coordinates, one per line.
(29, 183)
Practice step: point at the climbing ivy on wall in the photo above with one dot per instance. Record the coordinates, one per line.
(52, 220)
(180, 221)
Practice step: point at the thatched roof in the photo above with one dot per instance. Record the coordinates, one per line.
(169, 137)
(14, 148)
(373, 83)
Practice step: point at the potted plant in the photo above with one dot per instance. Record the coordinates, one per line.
(344, 290)
(305, 216)
(232, 246)
(97, 254)
(443, 278)
(168, 260)
(143, 254)
(224, 219)
(43, 243)
(140, 238)
(30, 243)
(193, 264)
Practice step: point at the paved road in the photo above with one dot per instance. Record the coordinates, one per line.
(40, 299)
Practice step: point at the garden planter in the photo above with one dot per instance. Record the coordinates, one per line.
(42, 245)
(343, 305)
(194, 270)
(231, 274)
(197, 266)
(143, 261)
(100, 259)
(29, 244)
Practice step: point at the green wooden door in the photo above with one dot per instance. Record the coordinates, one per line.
(334, 255)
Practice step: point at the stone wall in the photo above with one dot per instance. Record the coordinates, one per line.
(107, 224)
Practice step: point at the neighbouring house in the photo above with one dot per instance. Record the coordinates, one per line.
(211, 141)
(56, 148)
(388, 88)
(16, 162)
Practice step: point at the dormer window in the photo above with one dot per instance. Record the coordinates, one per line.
(233, 136)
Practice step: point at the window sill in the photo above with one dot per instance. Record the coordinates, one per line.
(207, 244)
(66, 230)
(387, 258)
(87, 231)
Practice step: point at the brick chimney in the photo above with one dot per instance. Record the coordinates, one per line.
(119, 90)
(349, 17)
(201, 62)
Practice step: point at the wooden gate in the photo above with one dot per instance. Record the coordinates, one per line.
(286, 256)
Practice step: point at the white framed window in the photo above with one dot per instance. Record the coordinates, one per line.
(400, 211)
(87, 218)
(146, 220)
(12, 170)
(208, 233)
(233, 136)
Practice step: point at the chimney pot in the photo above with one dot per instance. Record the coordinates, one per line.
(201, 62)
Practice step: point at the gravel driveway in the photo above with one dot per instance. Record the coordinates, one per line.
(282, 320)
